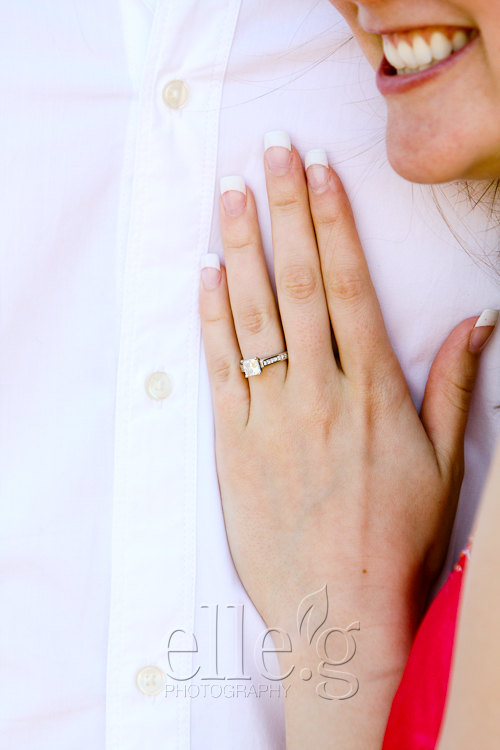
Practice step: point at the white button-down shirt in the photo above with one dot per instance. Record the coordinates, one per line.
(123, 624)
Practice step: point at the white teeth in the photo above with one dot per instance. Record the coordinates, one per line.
(406, 54)
(413, 54)
(423, 52)
(441, 46)
(405, 71)
(392, 55)
(459, 40)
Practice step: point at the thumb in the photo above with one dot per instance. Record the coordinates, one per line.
(448, 393)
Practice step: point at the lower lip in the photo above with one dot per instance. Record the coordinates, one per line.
(391, 83)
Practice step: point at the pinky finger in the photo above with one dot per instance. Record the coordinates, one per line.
(230, 392)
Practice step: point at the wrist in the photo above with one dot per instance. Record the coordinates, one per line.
(340, 678)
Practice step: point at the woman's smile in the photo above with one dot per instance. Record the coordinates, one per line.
(412, 57)
(412, 51)
(439, 71)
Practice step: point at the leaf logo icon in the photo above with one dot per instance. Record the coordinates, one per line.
(312, 613)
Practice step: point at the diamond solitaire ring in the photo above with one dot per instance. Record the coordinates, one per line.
(255, 365)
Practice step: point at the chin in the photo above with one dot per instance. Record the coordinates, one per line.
(423, 166)
(432, 162)
(426, 153)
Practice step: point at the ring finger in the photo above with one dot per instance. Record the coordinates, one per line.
(255, 314)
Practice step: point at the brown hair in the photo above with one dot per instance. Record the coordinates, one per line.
(483, 196)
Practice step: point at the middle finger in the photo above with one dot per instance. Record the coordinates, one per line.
(301, 296)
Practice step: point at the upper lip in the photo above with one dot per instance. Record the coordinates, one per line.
(405, 29)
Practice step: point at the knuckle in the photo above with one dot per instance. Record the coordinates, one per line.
(346, 285)
(319, 416)
(254, 319)
(299, 282)
(329, 224)
(374, 402)
(459, 393)
(211, 317)
(286, 204)
(239, 244)
(222, 370)
(381, 388)
(317, 411)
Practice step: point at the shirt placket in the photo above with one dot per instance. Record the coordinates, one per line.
(154, 503)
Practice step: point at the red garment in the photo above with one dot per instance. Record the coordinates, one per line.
(418, 706)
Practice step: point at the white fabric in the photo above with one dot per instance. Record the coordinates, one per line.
(111, 532)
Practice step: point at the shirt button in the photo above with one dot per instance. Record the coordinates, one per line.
(158, 386)
(175, 94)
(150, 680)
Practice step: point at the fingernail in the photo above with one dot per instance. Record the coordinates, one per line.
(482, 330)
(316, 164)
(234, 195)
(210, 270)
(278, 151)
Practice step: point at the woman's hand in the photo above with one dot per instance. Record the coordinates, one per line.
(328, 475)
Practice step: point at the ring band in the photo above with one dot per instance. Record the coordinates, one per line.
(255, 365)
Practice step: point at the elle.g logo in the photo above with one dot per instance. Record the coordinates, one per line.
(311, 616)
(334, 647)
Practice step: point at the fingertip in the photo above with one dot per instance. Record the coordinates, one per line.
(210, 272)
(278, 153)
(482, 331)
(472, 334)
(281, 159)
(233, 196)
(327, 192)
(454, 357)
(317, 170)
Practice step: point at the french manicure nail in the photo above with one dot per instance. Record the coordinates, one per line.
(278, 151)
(234, 195)
(316, 164)
(210, 270)
(482, 330)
